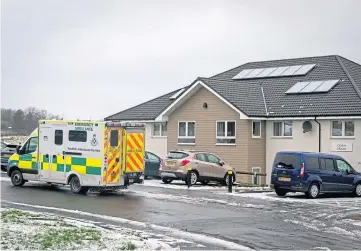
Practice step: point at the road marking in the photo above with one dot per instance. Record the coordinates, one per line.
(170, 231)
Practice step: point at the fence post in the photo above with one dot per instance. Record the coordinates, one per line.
(230, 178)
(189, 177)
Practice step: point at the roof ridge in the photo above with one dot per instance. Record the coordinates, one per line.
(144, 103)
(266, 61)
(348, 59)
(358, 91)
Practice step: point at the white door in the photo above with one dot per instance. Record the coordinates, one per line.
(45, 144)
(60, 139)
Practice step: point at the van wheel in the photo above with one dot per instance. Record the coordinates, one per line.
(167, 180)
(17, 178)
(357, 191)
(75, 186)
(313, 191)
(280, 192)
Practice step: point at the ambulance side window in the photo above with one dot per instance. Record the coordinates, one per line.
(114, 138)
(77, 136)
(58, 140)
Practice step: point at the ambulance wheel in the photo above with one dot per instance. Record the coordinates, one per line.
(75, 186)
(17, 178)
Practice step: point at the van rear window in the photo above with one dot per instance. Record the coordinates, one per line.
(177, 155)
(288, 161)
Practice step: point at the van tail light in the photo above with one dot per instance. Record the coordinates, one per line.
(184, 162)
(302, 172)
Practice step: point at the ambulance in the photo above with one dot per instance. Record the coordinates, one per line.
(86, 155)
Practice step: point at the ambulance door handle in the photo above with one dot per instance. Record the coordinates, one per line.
(54, 156)
(46, 155)
(117, 160)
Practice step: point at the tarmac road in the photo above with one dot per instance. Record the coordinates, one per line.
(258, 221)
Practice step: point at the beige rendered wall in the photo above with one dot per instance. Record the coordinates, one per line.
(157, 145)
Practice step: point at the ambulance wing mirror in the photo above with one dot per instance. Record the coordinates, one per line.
(18, 149)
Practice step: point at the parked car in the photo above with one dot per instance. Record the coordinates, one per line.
(6, 151)
(152, 165)
(204, 166)
(313, 173)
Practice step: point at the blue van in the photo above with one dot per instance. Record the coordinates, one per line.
(313, 173)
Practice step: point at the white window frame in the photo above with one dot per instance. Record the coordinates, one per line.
(343, 129)
(160, 130)
(226, 137)
(283, 129)
(258, 177)
(187, 137)
(260, 129)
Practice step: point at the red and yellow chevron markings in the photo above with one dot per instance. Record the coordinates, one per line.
(135, 152)
(106, 132)
(114, 161)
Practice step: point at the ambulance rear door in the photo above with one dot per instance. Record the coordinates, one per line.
(134, 151)
(113, 145)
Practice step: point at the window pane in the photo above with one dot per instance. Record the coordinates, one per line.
(257, 129)
(336, 128)
(77, 136)
(152, 157)
(191, 129)
(349, 128)
(312, 163)
(287, 128)
(231, 129)
(33, 144)
(186, 140)
(329, 164)
(343, 166)
(201, 157)
(182, 129)
(226, 141)
(277, 128)
(114, 138)
(213, 159)
(58, 137)
(164, 129)
(156, 129)
(221, 129)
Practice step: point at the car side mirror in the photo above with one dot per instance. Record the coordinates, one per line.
(221, 163)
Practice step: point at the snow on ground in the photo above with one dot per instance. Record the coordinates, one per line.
(213, 186)
(27, 230)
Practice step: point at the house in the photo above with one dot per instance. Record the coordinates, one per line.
(248, 113)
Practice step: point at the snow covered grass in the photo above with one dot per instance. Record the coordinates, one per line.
(27, 230)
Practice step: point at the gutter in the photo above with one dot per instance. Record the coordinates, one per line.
(319, 134)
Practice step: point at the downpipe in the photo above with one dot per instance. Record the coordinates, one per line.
(319, 134)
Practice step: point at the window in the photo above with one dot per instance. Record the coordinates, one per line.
(213, 159)
(201, 157)
(282, 129)
(152, 157)
(343, 129)
(176, 155)
(187, 133)
(256, 129)
(77, 136)
(226, 132)
(255, 178)
(312, 163)
(343, 167)
(160, 129)
(30, 146)
(114, 134)
(58, 140)
(289, 161)
(327, 164)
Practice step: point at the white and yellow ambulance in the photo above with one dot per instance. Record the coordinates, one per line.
(84, 154)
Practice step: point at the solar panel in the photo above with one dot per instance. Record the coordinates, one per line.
(254, 73)
(327, 85)
(291, 70)
(266, 72)
(297, 87)
(177, 94)
(242, 74)
(304, 69)
(278, 71)
(312, 86)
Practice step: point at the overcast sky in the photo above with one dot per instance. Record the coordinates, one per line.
(89, 58)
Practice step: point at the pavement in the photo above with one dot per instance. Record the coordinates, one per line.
(253, 220)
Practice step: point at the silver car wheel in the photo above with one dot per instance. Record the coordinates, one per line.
(193, 178)
(314, 191)
(358, 190)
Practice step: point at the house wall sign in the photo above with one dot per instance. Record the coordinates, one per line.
(342, 147)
